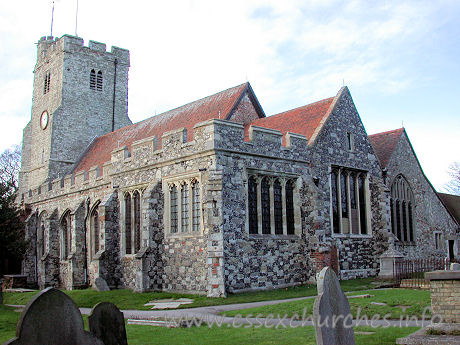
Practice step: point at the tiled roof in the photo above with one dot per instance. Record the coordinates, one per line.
(452, 203)
(303, 120)
(384, 144)
(216, 106)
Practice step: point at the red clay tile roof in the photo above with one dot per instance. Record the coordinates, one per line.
(303, 120)
(384, 144)
(216, 106)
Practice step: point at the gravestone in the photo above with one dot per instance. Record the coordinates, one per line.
(107, 323)
(101, 285)
(52, 318)
(331, 312)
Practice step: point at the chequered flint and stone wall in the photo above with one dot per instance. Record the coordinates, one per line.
(357, 254)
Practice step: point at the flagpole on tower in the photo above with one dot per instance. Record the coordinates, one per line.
(76, 20)
(52, 19)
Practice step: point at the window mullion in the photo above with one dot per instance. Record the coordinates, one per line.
(272, 207)
(283, 204)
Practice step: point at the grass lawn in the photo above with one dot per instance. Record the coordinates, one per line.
(144, 335)
(417, 300)
(126, 299)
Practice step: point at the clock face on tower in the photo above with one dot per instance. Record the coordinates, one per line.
(44, 119)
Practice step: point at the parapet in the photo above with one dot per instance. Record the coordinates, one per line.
(74, 43)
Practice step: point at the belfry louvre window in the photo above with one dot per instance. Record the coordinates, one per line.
(402, 209)
(46, 84)
(183, 206)
(95, 80)
(132, 221)
(349, 201)
(270, 205)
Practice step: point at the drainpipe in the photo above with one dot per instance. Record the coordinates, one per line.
(85, 247)
(115, 63)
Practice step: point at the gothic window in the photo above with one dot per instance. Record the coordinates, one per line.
(183, 202)
(47, 81)
(92, 80)
(42, 235)
(128, 224)
(184, 208)
(66, 235)
(99, 81)
(95, 80)
(402, 210)
(270, 205)
(437, 240)
(290, 220)
(265, 201)
(350, 141)
(252, 205)
(196, 214)
(335, 202)
(95, 230)
(349, 203)
(278, 207)
(173, 196)
(137, 221)
(132, 222)
(362, 204)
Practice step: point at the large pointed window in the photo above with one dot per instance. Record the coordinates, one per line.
(95, 227)
(349, 201)
(402, 210)
(132, 221)
(252, 205)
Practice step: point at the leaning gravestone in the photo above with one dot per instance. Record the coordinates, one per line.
(52, 318)
(101, 284)
(106, 322)
(331, 312)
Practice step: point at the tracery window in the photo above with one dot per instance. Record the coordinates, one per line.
(132, 221)
(401, 209)
(183, 205)
(66, 235)
(349, 201)
(271, 200)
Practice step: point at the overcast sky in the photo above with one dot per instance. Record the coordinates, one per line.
(400, 59)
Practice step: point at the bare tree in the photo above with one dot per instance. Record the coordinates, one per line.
(453, 186)
(10, 164)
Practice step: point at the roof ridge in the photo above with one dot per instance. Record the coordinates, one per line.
(302, 106)
(170, 110)
(387, 132)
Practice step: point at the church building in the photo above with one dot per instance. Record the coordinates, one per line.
(214, 196)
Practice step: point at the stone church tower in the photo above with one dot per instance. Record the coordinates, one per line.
(79, 94)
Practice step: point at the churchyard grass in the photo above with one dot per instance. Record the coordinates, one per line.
(126, 299)
(144, 335)
(395, 299)
(8, 320)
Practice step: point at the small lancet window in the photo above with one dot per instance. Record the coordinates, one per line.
(92, 80)
(99, 81)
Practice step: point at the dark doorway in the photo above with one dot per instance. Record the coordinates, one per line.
(451, 250)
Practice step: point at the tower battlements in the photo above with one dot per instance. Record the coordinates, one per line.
(48, 44)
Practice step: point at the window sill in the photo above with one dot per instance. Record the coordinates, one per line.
(408, 244)
(351, 236)
(185, 234)
(273, 237)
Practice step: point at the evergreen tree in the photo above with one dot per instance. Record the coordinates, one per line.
(12, 241)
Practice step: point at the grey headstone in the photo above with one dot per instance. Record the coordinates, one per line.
(106, 322)
(52, 318)
(331, 312)
(100, 284)
(455, 266)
